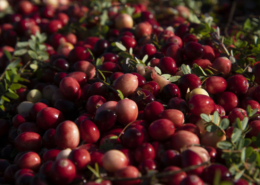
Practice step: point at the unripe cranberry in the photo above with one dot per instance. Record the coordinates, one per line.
(124, 21)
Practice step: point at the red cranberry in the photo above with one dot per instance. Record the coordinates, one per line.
(152, 86)
(223, 65)
(209, 172)
(89, 131)
(178, 103)
(105, 119)
(201, 104)
(49, 118)
(168, 65)
(171, 158)
(161, 129)
(63, 171)
(191, 158)
(215, 84)
(237, 84)
(80, 157)
(228, 101)
(146, 165)
(208, 53)
(143, 152)
(29, 160)
(192, 180)
(132, 138)
(175, 52)
(100, 47)
(190, 81)
(128, 42)
(127, 172)
(193, 50)
(126, 111)
(173, 179)
(152, 111)
(78, 53)
(28, 141)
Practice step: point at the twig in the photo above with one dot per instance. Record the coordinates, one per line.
(162, 174)
(232, 11)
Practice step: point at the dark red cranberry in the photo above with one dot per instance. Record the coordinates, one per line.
(132, 138)
(128, 42)
(228, 101)
(100, 47)
(178, 103)
(170, 91)
(209, 172)
(190, 81)
(146, 165)
(237, 84)
(152, 86)
(152, 111)
(193, 50)
(181, 30)
(168, 65)
(148, 49)
(105, 119)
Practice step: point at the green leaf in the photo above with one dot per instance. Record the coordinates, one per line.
(22, 44)
(198, 70)
(236, 134)
(215, 117)
(32, 45)
(5, 98)
(174, 78)
(13, 64)
(244, 123)
(185, 69)
(120, 46)
(93, 171)
(247, 142)
(125, 55)
(248, 151)
(99, 62)
(211, 128)
(120, 94)
(20, 52)
(243, 155)
(224, 145)
(7, 76)
(90, 52)
(247, 24)
(239, 174)
(224, 123)
(34, 66)
(11, 95)
(205, 117)
(131, 51)
(8, 55)
(166, 76)
(43, 55)
(104, 17)
(32, 54)
(257, 142)
(145, 58)
(158, 70)
(217, 177)
(15, 86)
(238, 123)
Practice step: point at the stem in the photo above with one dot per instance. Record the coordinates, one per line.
(232, 11)
(162, 174)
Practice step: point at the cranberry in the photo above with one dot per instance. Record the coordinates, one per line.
(132, 138)
(237, 84)
(143, 152)
(208, 53)
(193, 50)
(210, 171)
(192, 180)
(28, 141)
(100, 47)
(168, 65)
(80, 157)
(176, 40)
(173, 179)
(77, 54)
(201, 104)
(223, 65)
(152, 111)
(191, 158)
(190, 81)
(105, 119)
(146, 165)
(182, 139)
(161, 129)
(124, 21)
(114, 160)
(30, 160)
(63, 171)
(175, 52)
(70, 88)
(152, 86)
(50, 155)
(126, 111)
(128, 42)
(228, 101)
(127, 172)
(148, 49)
(215, 84)
(171, 158)
(143, 29)
(49, 118)
(89, 131)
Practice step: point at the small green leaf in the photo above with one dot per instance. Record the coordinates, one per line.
(239, 174)
(99, 61)
(43, 55)
(15, 86)
(205, 117)
(249, 151)
(166, 76)
(7, 76)
(120, 46)
(211, 128)
(185, 69)
(244, 123)
(236, 134)
(120, 94)
(158, 70)
(20, 52)
(93, 171)
(32, 54)
(174, 78)
(11, 95)
(243, 155)
(215, 117)
(224, 145)
(247, 142)
(224, 123)
(34, 66)
(5, 98)
(90, 52)
(131, 51)
(198, 70)
(32, 45)
(124, 54)
(22, 44)
(8, 55)
(238, 123)
(145, 58)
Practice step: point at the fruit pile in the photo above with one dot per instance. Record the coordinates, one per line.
(117, 92)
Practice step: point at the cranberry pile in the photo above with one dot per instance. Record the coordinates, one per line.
(119, 98)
